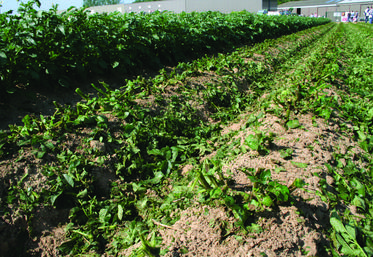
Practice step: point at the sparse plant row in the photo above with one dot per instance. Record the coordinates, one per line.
(46, 47)
(341, 57)
(300, 79)
(352, 235)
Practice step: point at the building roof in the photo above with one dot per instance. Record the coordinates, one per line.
(319, 3)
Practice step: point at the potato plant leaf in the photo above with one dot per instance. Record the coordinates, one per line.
(120, 212)
(292, 124)
(345, 237)
(69, 179)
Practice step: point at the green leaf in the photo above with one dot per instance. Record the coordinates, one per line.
(265, 175)
(31, 41)
(298, 183)
(345, 237)
(346, 248)
(252, 142)
(49, 145)
(84, 119)
(101, 119)
(369, 115)
(54, 197)
(267, 201)
(61, 28)
(137, 187)
(358, 202)
(120, 212)
(115, 64)
(82, 194)
(351, 231)
(299, 164)
(69, 179)
(40, 154)
(284, 193)
(155, 152)
(158, 176)
(229, 200)
(3, 58)
(292, 124)
(216, 193)
(358, 186)
(253, 202)
(362, 135)
(286, 153)
(103, 215)
(337, 223)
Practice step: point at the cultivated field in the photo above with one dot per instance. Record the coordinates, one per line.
(262, 149)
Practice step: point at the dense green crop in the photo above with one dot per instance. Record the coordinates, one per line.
(39, 47)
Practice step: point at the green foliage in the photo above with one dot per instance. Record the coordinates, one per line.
(146, 248)
(260, 142)
(286, 153)
(265, 191)
(45, 47)
(345, 237)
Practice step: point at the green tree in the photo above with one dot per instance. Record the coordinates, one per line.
(89, 3)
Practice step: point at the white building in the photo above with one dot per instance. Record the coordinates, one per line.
(179, 6)
(332, 9)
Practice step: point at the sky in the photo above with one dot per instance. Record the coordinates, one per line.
(46, 4)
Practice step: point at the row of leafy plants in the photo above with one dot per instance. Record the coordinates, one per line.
(340, 64)
(143, 147)
(40, 47)
(352, 234)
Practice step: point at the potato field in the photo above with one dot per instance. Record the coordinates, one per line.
(193, 134)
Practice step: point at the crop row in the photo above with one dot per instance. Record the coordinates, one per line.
(43, 47)
(339, 64)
